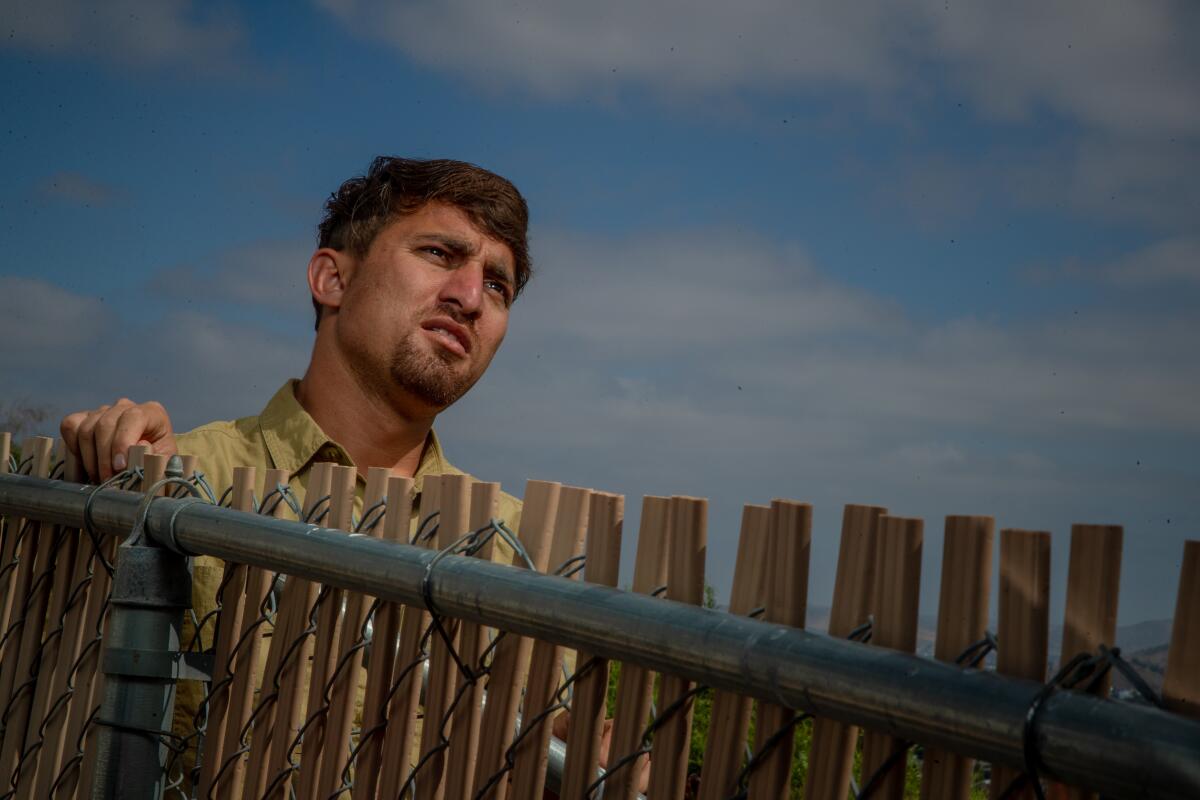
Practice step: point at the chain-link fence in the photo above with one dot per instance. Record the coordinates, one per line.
(358, 644)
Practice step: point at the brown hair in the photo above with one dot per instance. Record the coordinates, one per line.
(394, 187)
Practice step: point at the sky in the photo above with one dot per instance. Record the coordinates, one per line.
(934, 256)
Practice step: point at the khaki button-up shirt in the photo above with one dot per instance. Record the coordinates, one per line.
(285, 437)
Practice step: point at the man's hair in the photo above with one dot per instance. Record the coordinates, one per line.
(394, 187)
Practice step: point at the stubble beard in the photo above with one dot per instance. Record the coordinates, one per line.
(428, 376)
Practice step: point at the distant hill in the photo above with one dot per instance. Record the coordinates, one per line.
(1149, 664)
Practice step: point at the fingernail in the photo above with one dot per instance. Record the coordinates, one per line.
(119, 461)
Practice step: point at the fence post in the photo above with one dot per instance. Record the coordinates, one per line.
(151, 587)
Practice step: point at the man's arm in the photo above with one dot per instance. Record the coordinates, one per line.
(100, 438)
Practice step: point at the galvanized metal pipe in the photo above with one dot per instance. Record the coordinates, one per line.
(1124, 750)
(151, 588)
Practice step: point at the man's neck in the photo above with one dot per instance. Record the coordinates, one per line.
(373, 433)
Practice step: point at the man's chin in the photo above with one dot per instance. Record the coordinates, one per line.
(436, 392)
(431, 378)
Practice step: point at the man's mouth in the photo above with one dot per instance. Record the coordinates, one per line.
(449, 334)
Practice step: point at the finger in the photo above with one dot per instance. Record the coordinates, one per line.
(86, 440)
(561, 723)
(605, 742)
(106, 428)
(158, 433)
(69, 430)
(129, 430)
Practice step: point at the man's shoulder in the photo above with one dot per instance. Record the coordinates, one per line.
(234, 434)
(221, 445)
(242, 428)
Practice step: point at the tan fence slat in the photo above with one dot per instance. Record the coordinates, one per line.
(51, 668)
(730, 720)
(231, 597)
(962, 621)
(453, 522)
(1181, 683)
(295, 606)
(18, 570)
(472, 641)
(635, 688)
(400, 735)
(329, 616)
(266, 707)
(344, 691)
(76, 775)
(386, 631)
(831, 754)
(233, 666)
(1093, 578)
(606, 517)
(8, 533)
(895, 599)
(33, 583)
(1023, 623)
(790, 541)
(232, 775)
(511, 658)
(545, 663)
(54, 716)
(685, 583)
(9, 528)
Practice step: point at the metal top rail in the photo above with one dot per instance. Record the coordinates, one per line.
(1128, 751)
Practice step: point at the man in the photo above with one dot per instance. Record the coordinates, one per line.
(417, 266)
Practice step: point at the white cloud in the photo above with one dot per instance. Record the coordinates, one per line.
(1114, 178)
(1118, 67)
(563, 48)
(1173, 261)
(714, 311)
(39, 320)
(70, 352)
(127, 32)
(78, 189)
(261, 274)
(698, 355)
(689, 294)
(1114, 66)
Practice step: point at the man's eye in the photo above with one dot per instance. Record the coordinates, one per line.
(435, 251)
(500, 287)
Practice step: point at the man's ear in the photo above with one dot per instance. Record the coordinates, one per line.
(327, 276)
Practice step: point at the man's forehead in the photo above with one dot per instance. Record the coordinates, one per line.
(453, 226)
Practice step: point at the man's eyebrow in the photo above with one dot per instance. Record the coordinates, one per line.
(460, 248)
(451, 242)
(498, 269)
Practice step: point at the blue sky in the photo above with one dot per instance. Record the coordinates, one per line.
(939, 258)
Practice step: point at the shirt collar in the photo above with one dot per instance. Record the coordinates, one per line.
(294, 439)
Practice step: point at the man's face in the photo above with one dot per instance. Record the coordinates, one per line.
(426, 308)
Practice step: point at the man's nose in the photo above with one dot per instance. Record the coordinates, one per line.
(464, 287)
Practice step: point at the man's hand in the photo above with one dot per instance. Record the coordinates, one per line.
(560, 727)
(101, 438)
